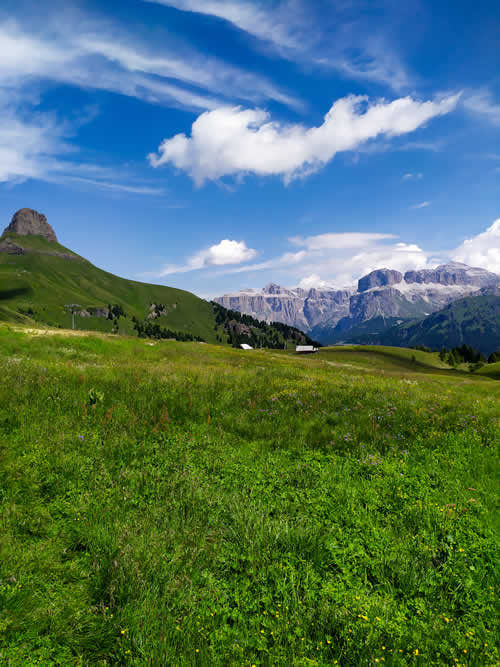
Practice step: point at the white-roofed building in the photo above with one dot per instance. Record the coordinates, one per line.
(306, 349)
(245, 346)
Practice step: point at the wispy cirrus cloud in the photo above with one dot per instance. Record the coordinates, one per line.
(335, 36)
(38, 145)
(409, 176)
(88, 53)
(350, 240)
(422, 204)
(277, 23)
(482, 102)
(92, 53)
(230, 141)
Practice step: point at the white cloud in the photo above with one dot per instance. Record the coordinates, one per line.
(37, 145)
(231, 140)
(481, 102)
(325, 262)
(338, 260)
(343, 266)
(260, 20)
(412, 177)
(339, 241)
(422, 204)
(79, 49)
(312, 281)
(482, 250)
(341, 38)
(225, 252)
(285, 261)
(92, 54)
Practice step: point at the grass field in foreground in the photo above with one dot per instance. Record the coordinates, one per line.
(186, 504)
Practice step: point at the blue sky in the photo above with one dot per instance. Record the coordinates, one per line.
(214, 145)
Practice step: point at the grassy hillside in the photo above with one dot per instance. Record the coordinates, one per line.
(376, 325)
(385, 358)
(473, 320)
(175, 503)
(37, 285)
(43, 283)
(491, 370)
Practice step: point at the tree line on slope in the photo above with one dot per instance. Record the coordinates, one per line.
(149, 330)
(243, 328)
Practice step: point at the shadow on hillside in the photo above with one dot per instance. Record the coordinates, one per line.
(13, 293)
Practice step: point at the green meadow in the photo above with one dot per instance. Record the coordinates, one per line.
(167, 503)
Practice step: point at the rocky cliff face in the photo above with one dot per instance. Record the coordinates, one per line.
(379, 278)
(383, 293)
(27, 222)
(453, 273)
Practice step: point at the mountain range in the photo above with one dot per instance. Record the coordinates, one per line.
(42, 281)
(381, 299)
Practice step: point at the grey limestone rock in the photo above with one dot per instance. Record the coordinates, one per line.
(379, 278)
(383, 293)
(27, 222)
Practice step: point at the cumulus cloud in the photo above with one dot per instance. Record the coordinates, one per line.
(312, 281)
(482, 250)
(344, 265)
(232, 140)
(221, 254)
(338, 259)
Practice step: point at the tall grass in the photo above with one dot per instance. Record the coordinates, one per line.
(183, 504)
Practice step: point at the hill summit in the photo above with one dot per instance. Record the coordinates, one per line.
(28, 222)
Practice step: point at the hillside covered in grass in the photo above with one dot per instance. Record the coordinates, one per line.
(177, 503)
(42, 282)
(48, 277)
(474, 320)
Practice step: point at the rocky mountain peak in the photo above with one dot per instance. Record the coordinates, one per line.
(273, 288)
(27, 222)
(379, 278)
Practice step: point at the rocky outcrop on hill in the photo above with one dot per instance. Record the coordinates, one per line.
(155, 311)
(384, 294)
(11, 248)
(239, 328)
(27, 222)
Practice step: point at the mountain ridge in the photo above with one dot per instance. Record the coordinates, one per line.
(473, 320)
(386, 293)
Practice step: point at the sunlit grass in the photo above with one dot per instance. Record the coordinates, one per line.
(180, 503)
